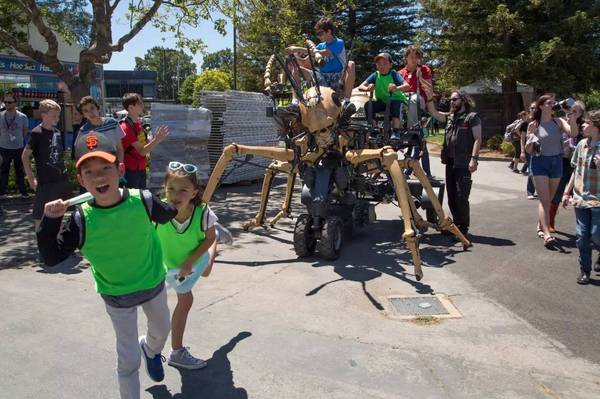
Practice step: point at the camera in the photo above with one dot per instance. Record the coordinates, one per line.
(565, 104)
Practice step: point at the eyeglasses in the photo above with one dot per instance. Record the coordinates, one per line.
(186, 167)
(454, 99)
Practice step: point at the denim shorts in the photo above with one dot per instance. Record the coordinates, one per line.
(331, 79)
(542, 165)
(188, 283)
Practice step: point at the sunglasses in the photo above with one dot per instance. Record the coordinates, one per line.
(9, 102)
(190, 169)
(454, 99)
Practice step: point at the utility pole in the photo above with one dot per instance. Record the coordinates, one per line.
(234, 45)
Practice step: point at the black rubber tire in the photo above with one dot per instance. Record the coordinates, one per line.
(304, 241)
(332, 238)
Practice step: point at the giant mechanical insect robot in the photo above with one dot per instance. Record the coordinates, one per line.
(342, 177)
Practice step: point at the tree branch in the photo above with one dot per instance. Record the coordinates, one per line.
(36, 55)
(114, 6)
(137, 27)
(33, 12)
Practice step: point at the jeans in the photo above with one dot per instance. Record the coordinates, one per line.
(14, 156)
(458, 187)
(587, 232)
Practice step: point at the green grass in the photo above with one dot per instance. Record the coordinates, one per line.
(437, 139)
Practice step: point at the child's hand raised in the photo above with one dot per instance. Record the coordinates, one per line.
(56, 209)
(161, 133)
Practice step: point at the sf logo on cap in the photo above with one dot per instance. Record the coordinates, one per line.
(91, 142)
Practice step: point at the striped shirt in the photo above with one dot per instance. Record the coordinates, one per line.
(110, 128)
(586, 190)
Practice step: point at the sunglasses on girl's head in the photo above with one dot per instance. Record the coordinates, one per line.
(186, 167)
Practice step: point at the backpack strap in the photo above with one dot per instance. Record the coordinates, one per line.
(78, 219)
(148, 201)
(204, 218)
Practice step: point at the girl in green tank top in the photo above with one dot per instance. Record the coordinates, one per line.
(188, 242)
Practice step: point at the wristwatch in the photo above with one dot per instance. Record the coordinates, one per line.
(475, 157)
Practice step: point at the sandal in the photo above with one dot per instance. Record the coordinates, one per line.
(549, 242)
(540, 233)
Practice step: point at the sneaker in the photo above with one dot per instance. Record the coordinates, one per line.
(25, 196)
(223, 235)
(530, 196)
(597, 265)
(154, 366)
(525, 173)
(516, 171)
(184, 359)
(394, 135)
(583, 279)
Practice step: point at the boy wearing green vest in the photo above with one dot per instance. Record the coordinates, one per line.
(386, 84)
(115, 232)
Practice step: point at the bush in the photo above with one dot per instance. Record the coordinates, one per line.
(69, 165)
(508, 149)
(495, 142)
(211, 79)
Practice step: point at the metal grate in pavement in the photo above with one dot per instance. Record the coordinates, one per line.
(411, 307)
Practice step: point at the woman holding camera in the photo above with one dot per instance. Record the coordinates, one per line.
(569, 144)
(544, 143)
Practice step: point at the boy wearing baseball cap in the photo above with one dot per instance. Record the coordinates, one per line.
(115, 232)
(387, 84)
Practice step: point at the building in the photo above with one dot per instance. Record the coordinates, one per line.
(36, 80)
(117, 83)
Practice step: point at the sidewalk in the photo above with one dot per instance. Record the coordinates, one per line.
(274, 326)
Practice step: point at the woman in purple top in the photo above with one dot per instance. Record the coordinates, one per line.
(544, 143)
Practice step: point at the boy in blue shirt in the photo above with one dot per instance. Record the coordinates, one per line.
(337, 69)
(387, 85)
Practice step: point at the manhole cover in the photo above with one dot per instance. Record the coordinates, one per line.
(410, 307)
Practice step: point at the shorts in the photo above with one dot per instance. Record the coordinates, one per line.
(376, 106)
(135, 178)
(47, 192)
(188, 284)
(550, 166)
(517, 145)
(331, 80)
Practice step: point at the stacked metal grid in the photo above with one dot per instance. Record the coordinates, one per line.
(189, 131)
(239, 117)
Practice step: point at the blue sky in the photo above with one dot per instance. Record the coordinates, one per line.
(150, 37)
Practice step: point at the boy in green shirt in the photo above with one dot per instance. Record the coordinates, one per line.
(115, 232)
(387, 84)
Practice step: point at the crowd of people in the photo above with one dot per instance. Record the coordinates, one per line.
(560, 156)
(139, 245)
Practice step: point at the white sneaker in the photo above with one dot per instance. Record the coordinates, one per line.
(224, 236)
(531, 197)
(184, 359)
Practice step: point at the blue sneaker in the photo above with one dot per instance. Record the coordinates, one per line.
(154, 366)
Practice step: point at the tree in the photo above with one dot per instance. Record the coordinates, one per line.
(367, 27)
(186, 91)
(70, 20)
(222, 59)
(172, 67)
(551, 45)
(211, 79)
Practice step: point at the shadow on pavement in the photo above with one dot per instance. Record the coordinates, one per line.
(18, 246)
(214, 382)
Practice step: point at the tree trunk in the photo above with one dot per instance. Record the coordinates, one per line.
(511, 100)
(79, 89)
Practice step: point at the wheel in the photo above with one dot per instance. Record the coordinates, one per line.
(332, 237)
(304, 241)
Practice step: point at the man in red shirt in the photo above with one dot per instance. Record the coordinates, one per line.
(135, 143)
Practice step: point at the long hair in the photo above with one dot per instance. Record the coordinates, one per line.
(192, 177)
(537, 114)
(594, 118)
(466, 99)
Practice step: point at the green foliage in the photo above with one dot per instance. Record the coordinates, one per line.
(591, 99)
(494, 143)
(507, 148)
(211, 79)
(222, 59)
(551, 45)
(172, 68)
(186, 91)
